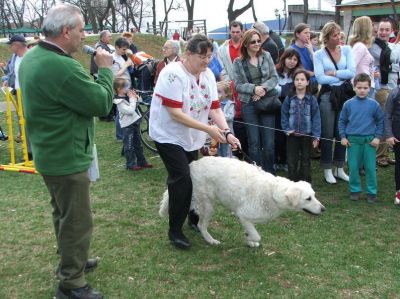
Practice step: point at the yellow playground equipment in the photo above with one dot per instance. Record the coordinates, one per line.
(27, 166)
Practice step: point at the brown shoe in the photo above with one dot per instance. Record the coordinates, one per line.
(382, 163)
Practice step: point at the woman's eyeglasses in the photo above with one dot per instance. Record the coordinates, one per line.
(253, 42)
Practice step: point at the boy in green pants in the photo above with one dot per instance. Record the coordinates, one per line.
(361, 127)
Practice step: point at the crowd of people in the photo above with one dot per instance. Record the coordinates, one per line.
(322, 99)
(254, 99)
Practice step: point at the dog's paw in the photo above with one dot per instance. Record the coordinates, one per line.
(213, 242)
(253, 244)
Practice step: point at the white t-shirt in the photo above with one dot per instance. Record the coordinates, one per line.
(178, 88)
(16, 69)
(118, 63)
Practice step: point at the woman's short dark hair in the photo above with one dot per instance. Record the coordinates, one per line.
(306, 73)
(122, 42)
(289, 53)
(199, 44)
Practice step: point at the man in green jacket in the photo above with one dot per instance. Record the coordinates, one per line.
(60, 101)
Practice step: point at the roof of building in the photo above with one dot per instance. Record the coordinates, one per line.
(365, 2)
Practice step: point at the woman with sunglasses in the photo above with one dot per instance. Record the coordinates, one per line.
(255, 75)
(184, 96)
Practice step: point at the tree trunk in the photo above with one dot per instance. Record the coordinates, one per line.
(190, 12)
(254, 12)
(153, 8)
(92, 16)
(337, 12)
(305, 16)
(233, 14)
(396, 17)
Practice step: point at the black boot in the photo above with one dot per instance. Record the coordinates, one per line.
(179, 240)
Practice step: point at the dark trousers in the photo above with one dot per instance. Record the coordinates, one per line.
(73, 225)
(180, 188)
(240, 133)
(133, 148)
(396, 149)
(299, 158)
(280, 141)
(329, 130)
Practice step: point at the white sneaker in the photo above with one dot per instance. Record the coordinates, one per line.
(397, 198)
(340, 174)
(329, 178)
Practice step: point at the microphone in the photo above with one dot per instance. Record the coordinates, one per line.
(89, 50)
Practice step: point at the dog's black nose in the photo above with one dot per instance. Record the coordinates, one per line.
(323, 209)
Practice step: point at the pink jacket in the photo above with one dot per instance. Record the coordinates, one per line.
(363, 60)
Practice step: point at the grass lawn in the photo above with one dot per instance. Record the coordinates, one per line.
(349, 252)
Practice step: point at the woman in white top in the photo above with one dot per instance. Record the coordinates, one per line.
(184, 96)
(360, 41)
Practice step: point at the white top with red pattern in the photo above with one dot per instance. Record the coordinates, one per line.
(177, 88)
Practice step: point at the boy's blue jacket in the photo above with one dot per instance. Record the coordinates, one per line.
(302, 116)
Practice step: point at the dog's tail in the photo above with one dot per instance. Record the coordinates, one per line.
(163, 212)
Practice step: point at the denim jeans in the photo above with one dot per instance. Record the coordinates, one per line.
(224, 150)
(119, 135)
(329, 130)
(133, 145)
(260, 140)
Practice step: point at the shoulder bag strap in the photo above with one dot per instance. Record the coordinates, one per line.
(246, 70)
(331, 57)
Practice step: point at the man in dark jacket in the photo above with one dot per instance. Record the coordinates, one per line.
(267, 43)
(105, 39)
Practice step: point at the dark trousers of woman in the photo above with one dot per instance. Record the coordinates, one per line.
(396, 149)
(176, 161)
(280, 141)
(329, 130)
(299, 158)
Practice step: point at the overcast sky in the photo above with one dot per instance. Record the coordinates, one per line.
(214, 11)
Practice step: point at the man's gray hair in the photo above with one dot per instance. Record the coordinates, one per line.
(104, 33)
(60, 16)
(175, 46)
(261, 28)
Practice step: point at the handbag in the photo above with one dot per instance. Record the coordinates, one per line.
(269, 103)
(341, 93)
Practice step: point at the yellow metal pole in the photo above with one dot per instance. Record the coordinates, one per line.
(22, 125)
(10, 126)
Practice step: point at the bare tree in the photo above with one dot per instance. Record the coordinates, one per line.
(134, 11)
(337, 9)
(167, 9)
(395, 15)
(154, 22)
(190, 12)
(254, 12)
(305, 15)
(233, 14)
(15, 9)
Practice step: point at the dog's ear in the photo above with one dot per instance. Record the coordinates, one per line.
(292, 195)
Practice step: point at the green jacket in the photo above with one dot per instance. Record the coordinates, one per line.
(59, 102)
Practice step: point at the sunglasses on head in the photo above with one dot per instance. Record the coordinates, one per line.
(253, 42)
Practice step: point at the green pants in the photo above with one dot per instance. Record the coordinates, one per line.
(360, 154)
(73, 225)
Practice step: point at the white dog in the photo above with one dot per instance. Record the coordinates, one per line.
(253, 195)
